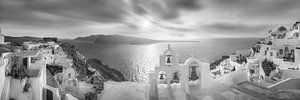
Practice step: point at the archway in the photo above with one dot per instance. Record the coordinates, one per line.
(162, 77)
(193, 70)
(168, 60)
(286, 53)
(175, 77)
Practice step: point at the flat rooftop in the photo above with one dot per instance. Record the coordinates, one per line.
(265, 93)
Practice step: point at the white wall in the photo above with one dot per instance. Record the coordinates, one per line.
(297, 56)
(206, 76)
(4, 61)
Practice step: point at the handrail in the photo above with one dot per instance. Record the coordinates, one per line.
(279, 82)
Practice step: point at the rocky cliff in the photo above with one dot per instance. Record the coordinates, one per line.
(81, 65)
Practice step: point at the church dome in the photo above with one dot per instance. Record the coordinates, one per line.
(281, 29)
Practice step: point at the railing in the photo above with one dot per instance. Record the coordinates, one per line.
(279, 83)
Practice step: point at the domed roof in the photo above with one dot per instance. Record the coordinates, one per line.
(169, 51)
(281, 29)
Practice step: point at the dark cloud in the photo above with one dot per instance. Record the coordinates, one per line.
(138, 7)
(188, 4)
(64, 12)
(80, 12)
(240, 28)
(260, 9)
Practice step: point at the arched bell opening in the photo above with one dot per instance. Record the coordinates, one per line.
(194, 71)
(168, 60)
(193, 76)
(162, 77)
(175, 77)
(286, 54)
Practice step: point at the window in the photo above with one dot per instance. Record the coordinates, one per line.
(271, 53)
(265, 52)
(296, 34)
(286, 49)
(292, 53)
(280, 51)
(69, 75)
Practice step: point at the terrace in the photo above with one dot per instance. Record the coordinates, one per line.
(256, 91)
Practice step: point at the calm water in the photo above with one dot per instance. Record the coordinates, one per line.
(136, 61)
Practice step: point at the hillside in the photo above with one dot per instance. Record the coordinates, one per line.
(5, 48)
(20, 40)
(81, 65)
(116, 39)
(88, 38)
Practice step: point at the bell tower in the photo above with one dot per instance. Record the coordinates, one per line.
(168, 58)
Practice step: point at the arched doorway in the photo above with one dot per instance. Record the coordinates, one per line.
(47, 94)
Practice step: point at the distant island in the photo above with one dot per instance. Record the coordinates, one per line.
(19, 40)
(120, 39)
(116, 39)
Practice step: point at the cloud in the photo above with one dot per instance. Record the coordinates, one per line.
(239, 29)
(188, 4)
(142, 18)
(32, 11)
(258, 10)
(166, 9)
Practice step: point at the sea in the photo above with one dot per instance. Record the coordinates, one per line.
(136, 61)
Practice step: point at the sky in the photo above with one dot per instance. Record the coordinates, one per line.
(153, 19)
